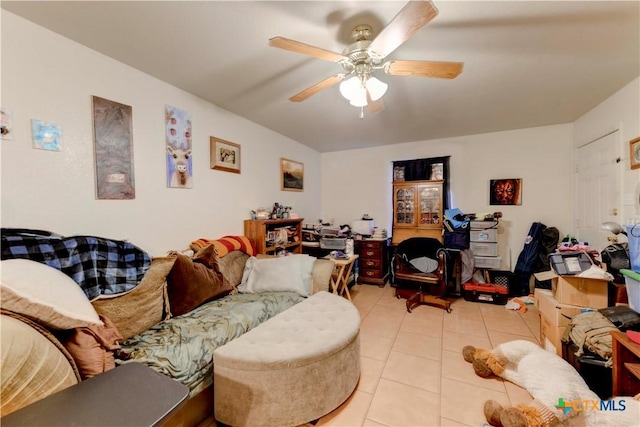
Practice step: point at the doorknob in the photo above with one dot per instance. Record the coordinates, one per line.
(614, 212)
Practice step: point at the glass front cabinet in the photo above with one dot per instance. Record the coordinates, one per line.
(417, 210)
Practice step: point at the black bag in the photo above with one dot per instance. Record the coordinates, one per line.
(529, 258)
(457, 238)
(616, 257)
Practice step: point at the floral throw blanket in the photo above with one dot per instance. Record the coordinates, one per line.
(182, 347)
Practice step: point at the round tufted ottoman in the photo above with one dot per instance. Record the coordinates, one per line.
(293, 368)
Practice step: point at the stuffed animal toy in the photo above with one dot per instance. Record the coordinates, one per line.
(561, 396)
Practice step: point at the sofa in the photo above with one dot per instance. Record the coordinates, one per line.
(165, 321)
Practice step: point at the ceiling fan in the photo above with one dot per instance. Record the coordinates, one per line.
(367, 55)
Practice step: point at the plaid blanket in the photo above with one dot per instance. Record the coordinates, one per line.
(100, 266)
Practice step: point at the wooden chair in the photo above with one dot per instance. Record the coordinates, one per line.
(430, 275)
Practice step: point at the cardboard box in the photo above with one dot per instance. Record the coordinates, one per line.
(551, 335)
(578, 291)
(557, 313)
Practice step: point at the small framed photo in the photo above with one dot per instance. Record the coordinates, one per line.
(225, 155)
(291, 175)
(437, 171)
(398, 173)
(634, 151)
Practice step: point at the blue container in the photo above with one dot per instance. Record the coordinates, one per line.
(633, 236)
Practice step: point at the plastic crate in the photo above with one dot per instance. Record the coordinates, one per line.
(508, 279)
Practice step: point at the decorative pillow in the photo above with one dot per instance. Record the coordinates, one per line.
(232, 266)
(38, 367)
(45, 294)
(92, 348)
(292, 273)
(144, 306)
(192, 282)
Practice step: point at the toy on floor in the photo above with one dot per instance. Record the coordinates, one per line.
(561, 396)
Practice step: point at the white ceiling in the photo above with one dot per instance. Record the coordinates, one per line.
(526, 63)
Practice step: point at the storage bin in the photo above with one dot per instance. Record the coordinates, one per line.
(632, 280)
(484, 249)
(487, 261)
(633, 236)
(490, 235)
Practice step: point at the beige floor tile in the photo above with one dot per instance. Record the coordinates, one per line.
(370, 373)
(423, 325)
(514, 325)
(413, 370)
(517, 394)
(394, 310)
(396, 404)
(371, 423)
(454, 367)
(464, 326)
(418, 345)
(375, 346)
(446, 422)
(455, 342)
(381, 325)
(463, 402)
(351, 413)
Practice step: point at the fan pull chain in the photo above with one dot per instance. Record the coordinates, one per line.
(361, 113)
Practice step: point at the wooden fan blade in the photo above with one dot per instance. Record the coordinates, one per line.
(324, 84)
(374, 106)
(305, 49)
(442, 70)
(413, 16)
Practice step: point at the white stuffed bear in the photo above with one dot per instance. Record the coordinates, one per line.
(561, 397)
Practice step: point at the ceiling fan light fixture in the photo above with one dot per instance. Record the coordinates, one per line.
(376, 88)
(349, 88)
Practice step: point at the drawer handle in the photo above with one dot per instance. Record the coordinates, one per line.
(369, 253)
(369, 273)
(369, 263)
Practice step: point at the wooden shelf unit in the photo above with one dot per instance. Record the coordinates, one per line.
(626, 365)
(258, 230)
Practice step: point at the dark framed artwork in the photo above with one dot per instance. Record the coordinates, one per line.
(113, 148)
(225, 155)
(634, 151)
(505, 191)
(291, 175)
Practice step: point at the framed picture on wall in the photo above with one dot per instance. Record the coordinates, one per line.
(291, 175)
(634, 151)
(505, 191)
(225, 155)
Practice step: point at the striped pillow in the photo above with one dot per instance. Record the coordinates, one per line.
(226, 244)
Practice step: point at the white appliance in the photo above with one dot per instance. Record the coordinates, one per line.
(363, 227)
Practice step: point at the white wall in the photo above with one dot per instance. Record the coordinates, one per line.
(359, 181)
(621, 111)
(50, 78)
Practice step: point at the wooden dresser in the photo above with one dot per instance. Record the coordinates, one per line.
(374, 261)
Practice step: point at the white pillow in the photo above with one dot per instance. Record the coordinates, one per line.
(45, 294)
(292, 273)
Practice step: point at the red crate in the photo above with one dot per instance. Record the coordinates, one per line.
(486, 292)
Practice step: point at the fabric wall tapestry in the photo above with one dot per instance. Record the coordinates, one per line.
(113, 147)
(178, 141)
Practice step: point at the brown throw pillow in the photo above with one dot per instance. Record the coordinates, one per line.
(92, 347)
(144, 306)
(192, 282)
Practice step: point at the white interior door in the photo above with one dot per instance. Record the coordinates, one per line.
(598, 189)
